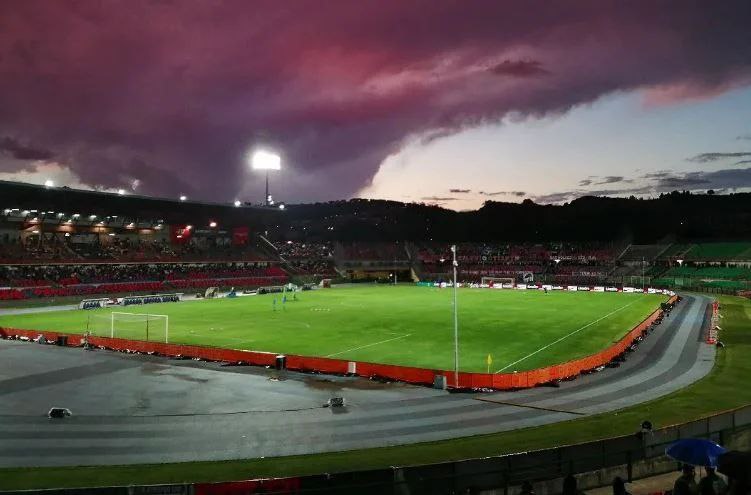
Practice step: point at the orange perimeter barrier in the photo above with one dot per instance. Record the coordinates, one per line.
(498, 381)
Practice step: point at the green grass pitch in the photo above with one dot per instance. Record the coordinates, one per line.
(404, 325)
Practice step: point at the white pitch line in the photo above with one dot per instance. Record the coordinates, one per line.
(369, 345)
(564, 337)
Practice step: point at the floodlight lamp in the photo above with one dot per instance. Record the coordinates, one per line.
(212, 224)
(49, 183)
(237, 203)
(121, 192)
(281, 206)
(264, 160)
(183, 197)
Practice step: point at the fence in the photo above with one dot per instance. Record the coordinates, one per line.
(499, 381)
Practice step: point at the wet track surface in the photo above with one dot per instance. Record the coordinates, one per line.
(130, 409)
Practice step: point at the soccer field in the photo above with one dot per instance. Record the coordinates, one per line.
(404, 325)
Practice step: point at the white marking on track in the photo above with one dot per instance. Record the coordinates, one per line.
(369, 345)
(565, 337)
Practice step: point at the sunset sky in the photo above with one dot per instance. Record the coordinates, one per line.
(446, 102)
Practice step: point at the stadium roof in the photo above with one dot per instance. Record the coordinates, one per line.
(32, 197)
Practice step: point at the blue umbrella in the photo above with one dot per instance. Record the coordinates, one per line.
(695, 451)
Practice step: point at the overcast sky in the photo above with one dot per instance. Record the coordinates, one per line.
(443, 102)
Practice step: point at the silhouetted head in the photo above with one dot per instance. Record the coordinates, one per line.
(569, 485)
(619, 486)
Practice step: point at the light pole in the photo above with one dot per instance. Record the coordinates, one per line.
(642, 273)
(265, 160)
(456, 324)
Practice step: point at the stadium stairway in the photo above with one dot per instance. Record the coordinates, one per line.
(239, 413)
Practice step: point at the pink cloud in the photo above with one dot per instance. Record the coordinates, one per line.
(174, 93)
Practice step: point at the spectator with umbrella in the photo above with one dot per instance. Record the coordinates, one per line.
(686, 482)
(711, 483)
(694, 452)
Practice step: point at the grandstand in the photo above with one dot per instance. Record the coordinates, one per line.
(68, 238)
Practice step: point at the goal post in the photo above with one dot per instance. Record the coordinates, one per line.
(494, 281)
(139, 326)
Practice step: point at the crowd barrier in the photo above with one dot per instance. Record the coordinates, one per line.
(499, 381)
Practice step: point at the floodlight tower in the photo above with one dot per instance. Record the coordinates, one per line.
(266, 160)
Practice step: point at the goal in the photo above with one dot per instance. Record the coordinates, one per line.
(135, 326)
(496, 281)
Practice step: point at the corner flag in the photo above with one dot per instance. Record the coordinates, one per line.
(490, 361)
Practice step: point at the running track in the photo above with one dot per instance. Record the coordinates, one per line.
(139, 409)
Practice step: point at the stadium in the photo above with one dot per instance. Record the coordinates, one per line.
(407, 247)
(203, 345)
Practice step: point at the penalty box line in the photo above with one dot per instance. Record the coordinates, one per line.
(369, 345)
(565, 337)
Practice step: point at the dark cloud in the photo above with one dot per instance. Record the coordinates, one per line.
(460, 191)
(23, 152)
(685, 181)
(657, 175)
(558, 197)
(519, 68)
(745, 137)
(661, 182)
(730, 179)
(175, 93)
(613, 179)
(503, 193)
(585, 182)
(438, 198)
(713, 157)
(742, 162)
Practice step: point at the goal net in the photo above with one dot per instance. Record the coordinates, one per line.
(134, 326)
(497, 281)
